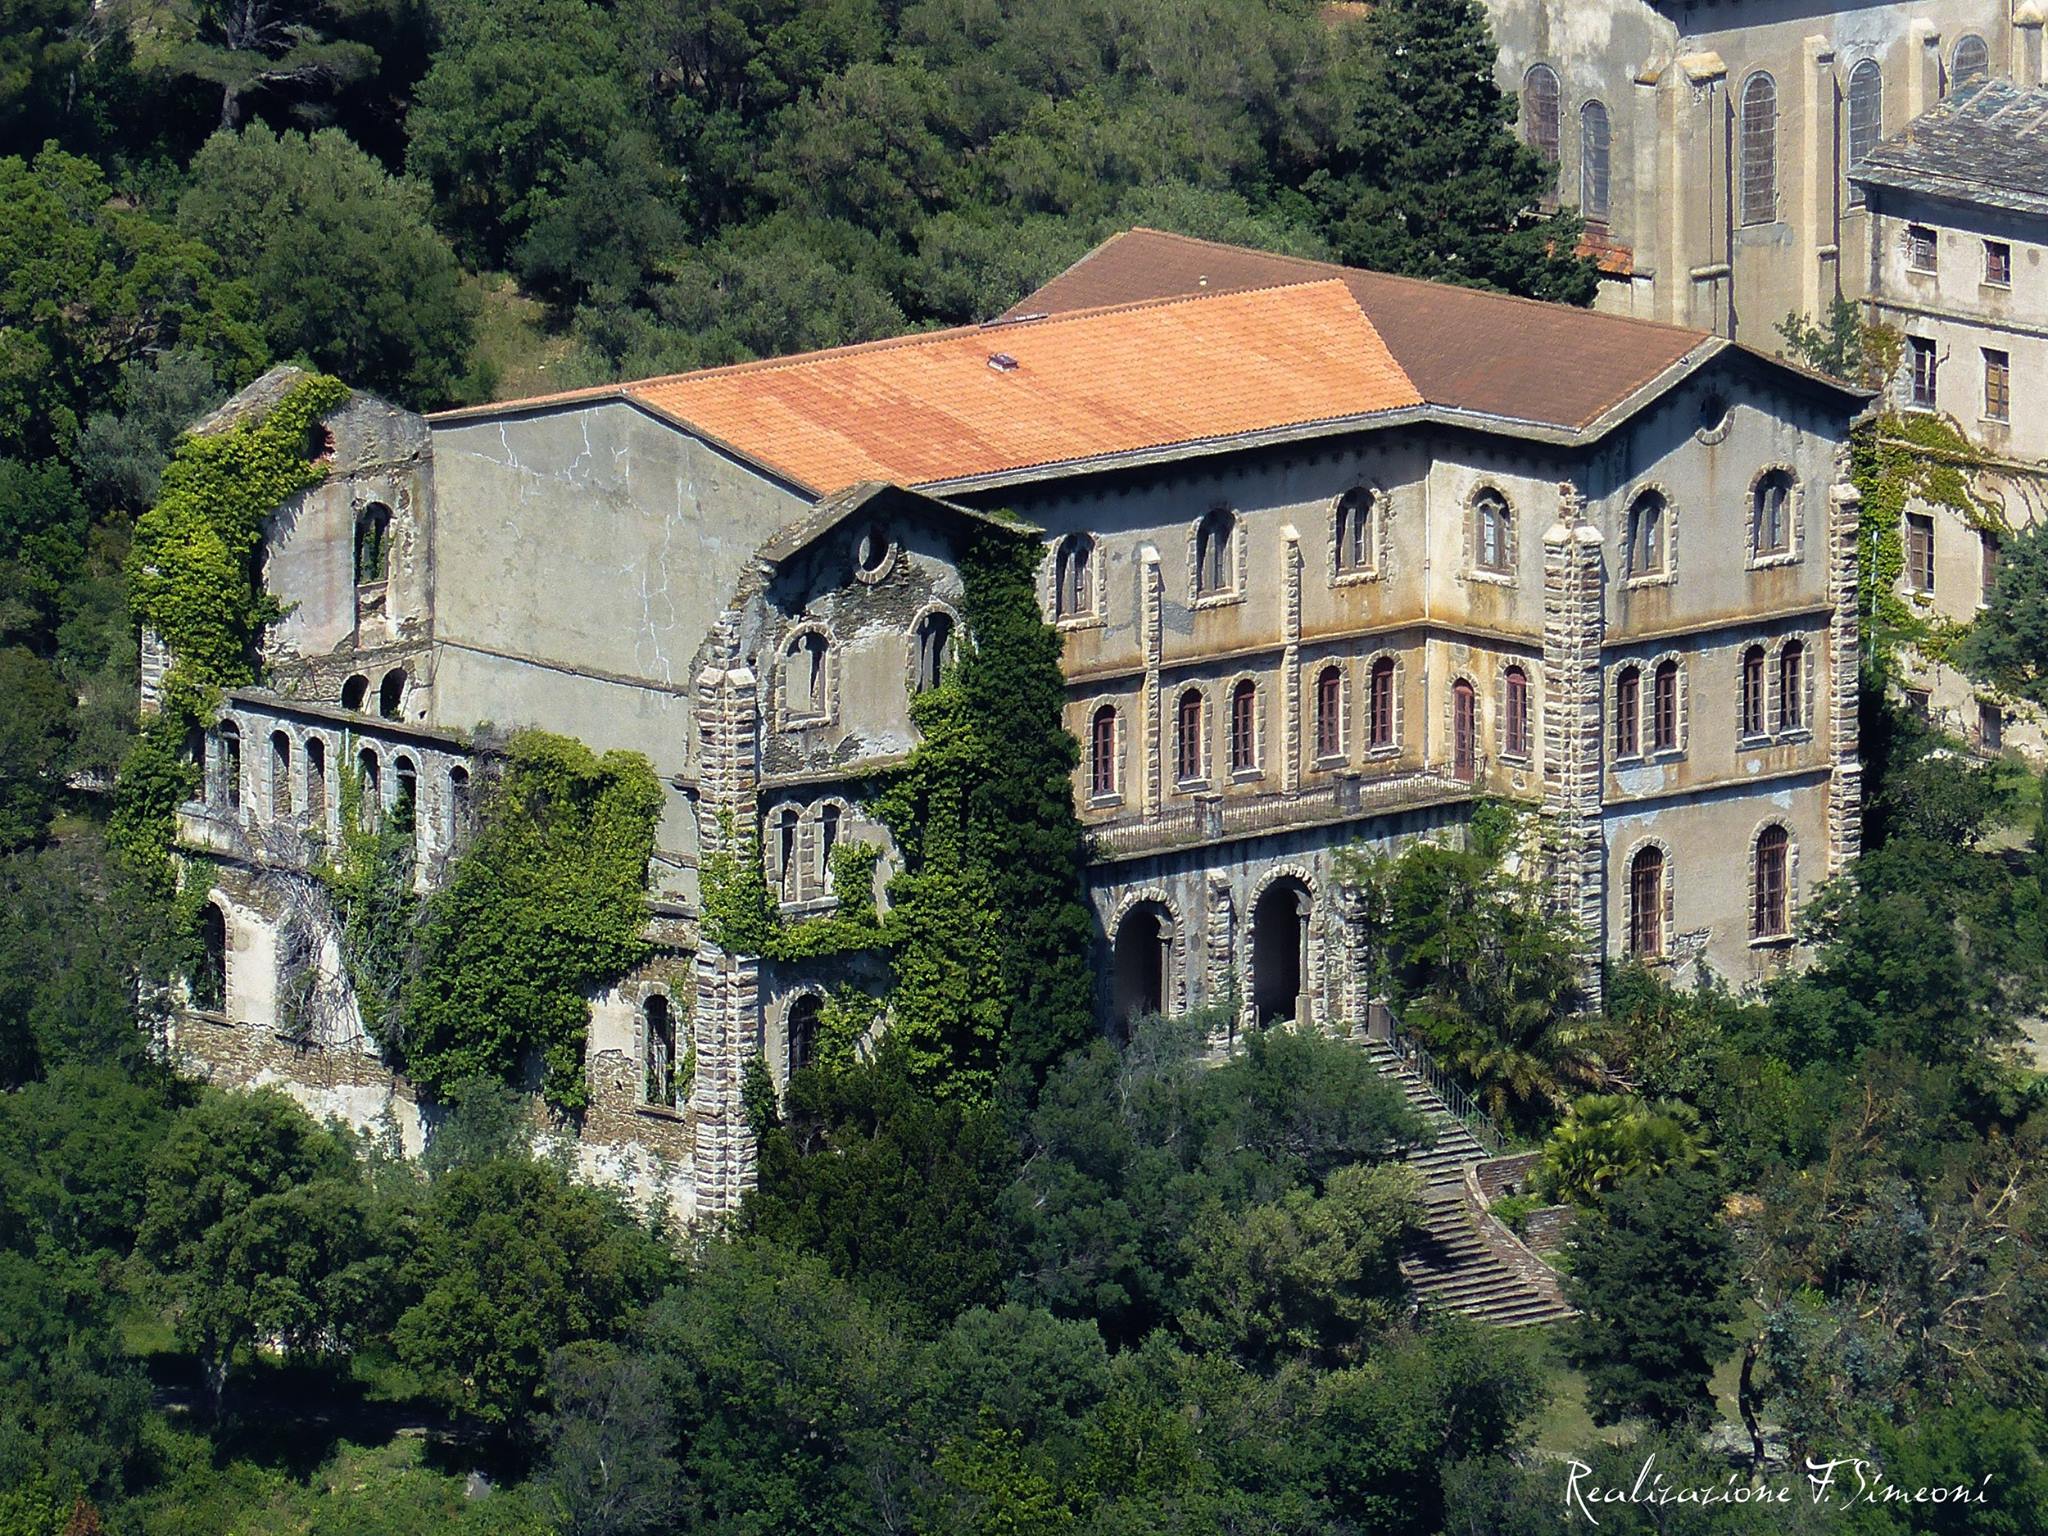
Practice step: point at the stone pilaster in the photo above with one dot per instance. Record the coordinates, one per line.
(726, 1025)
(156, 661)
(1219, 978)
(1151, 624)
(1290, 666)
(1353, 992)
(1574, 628)
(1845, 786)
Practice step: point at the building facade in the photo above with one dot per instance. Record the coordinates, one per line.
(1332, 556)
(1709, 142)
(1958, 205)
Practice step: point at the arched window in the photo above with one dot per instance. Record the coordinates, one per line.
(1751, 722)
(1102, 756)
(1542, 112)
(803, 677)
(1646, 903)
(210, 981)
(1188, 756)
(828, 840)
(355, 691)
(391, 694)
(1357, 535)
(1517, 744)
(370, 781)
(230, 737)
(785, 851)
(1647, 535)
(373, 544)
(934, 645)
(1216, 553)
(1664, 708)
(1770, 912)
(1628, 712)
(316, 781)
(1491, 531)
(1770, 515)
(661, 1050)
(1866, 117)
(1074, 577)
(1464, 730)
(405, 796)
(1759, 146)
(1972, 60)
(1792, 686)
(458, 805)
(804, 1015)
(1330, 713)
(1595, 134)
(280, 774)
(1381, 709)
(1244, 727)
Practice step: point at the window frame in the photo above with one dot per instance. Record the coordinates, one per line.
(1918, 536)
(1756, 136)
(1923, 353)
(1246, 746)
(1075, 581)
(1752, 716)
(1923, 249)
(1190, 746)
(1997, 264)
(1667, 684)
(1491, 510)
(1646, 918)
(1383, 705)
(1596, 165)
(1771, 911)
(1517, 737)
(1105, 769)
(1997, 384)
(1864, 110)
(1628, 711)
(1229, 565)
(1330, 732)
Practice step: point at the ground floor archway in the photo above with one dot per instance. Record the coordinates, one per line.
(1280, 952)
(1142, 977)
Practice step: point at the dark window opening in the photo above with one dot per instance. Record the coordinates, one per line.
(1280, 925)
(934, 643)
(391, 694)
(1074, 578)
(1518, 713)
(1216, 554)
(1752, 703)
(1769, 916)
(785, 848)
(1244, 727)
(1646, 903)
(1792, 686)
(1926, 372)
(1102, 753)
(1492, 529)
(1188, 755)
(1628, 712)
(280, 774)
(804, 1016)
(828, 841)
(1382, 702)
(209, 983)
(1355, 516)
(1143, 963)
(1464, 731)
(230, 737)
(1664, 708)
(1770, 516)
(1920, 551)
(1646, 536)
(369, 779)
(354, 691)
(316, 780)
(661, 1085)
(1330, 713)
(373, 545)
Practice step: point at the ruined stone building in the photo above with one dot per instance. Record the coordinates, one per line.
(1958, 203)
(1333, 555)
(1709, 143)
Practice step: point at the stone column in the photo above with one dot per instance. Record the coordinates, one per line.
(1845, 786)
(1290, 665)
(1151, 632)
(726, 1025)
(1574, 627)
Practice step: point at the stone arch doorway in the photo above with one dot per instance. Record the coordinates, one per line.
(1280, 952)
(1143, 972)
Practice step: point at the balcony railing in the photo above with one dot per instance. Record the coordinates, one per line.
(1218, 817)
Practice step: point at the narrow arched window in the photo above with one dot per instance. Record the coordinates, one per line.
(1770, 514)
(406, 793)
(1188, 754)
(1664, 708)
(1244, 727)
(355, 691)
(1216, 553)
(829, 820)
(316, 781)
(1074, 577)
(1646, 903)
(1751, 722)
(1647, 535)
(1382, 702)
(1102, 773)
(280, 774)
(1542, 111)
(373, 544)
(1491, 531)
(391, 694)
(370, 782)
(1517, 744)
(1759, 150)
(1595, 135)
(1792, 686)
(1464, 730)
(661, 1051)
(785, 851)
(1357, 512)
(1770, 912)
(1866, 117)
(1330, 713)
(804, 1017)
(458, 805)
(1972, 60)
(230, 737)
(803, 676)
(1628, 712)
(933, 644)
(209, 982)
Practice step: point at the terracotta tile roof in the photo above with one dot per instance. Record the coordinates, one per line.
(1464, 348)
(981, 400)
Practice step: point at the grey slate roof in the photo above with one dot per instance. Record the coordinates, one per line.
(1987, 144)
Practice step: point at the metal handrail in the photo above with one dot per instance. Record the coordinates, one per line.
(1413, 1054)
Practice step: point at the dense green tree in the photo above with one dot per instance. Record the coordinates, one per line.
(259, 1226)
(343, 258)
(35, 732)
(1652, 1272)
(284, 47)
(1427, 177)
(2007, 646)
(610, 1464)
(506, 1263)
(122, 452)
(86, 285)
(1610, 1137)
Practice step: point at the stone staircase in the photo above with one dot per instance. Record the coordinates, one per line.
(1463, 1260)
